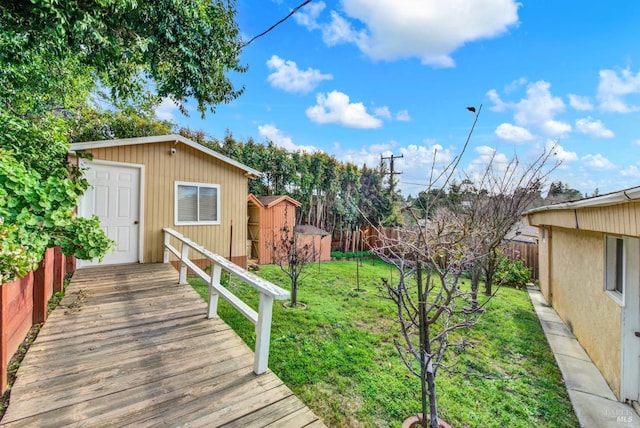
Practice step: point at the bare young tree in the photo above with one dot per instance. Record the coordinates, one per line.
(292, 256)
(429, 298)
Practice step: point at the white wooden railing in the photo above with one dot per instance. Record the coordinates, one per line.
(268, 291)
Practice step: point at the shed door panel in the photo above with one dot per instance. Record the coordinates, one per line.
(114, 198)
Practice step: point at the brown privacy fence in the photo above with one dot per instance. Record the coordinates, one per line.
(369, 238)
(525, 251)
(23, 303)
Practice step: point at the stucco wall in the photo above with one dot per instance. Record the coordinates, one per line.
(543, 262)
(578, 295)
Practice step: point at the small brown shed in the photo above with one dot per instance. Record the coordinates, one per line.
(320, 240)
(265, 216)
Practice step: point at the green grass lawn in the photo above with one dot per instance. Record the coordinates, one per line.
(338, 355)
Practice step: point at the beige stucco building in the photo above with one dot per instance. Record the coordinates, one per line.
(141, 185)
(589, 272)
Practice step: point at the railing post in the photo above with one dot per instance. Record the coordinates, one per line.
(167, 241)
(263, 334)
(212, 311)
(184, 255)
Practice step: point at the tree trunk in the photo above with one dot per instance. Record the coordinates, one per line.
(475, 278)
(488, 281)
(294, 292)
(427, 378)
(489, 272)
(433, 404)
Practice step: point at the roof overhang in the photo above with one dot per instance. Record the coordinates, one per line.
(614, 198)
(175, 138)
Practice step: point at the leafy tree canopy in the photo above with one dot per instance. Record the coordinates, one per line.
(186, 48)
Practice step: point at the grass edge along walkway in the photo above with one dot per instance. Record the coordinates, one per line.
(338, 356)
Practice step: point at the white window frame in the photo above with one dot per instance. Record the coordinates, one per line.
(613, 265)
(199, 186)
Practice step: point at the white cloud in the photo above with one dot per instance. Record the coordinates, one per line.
(403, 116)
(415, 165)
(498, 104)
(427, 29)
(488, 157)
(166, 110)
(335, 107)
(487, 154)
(539, 106)
(288, 77)
(555, 128)
(560, 153)
(597, 161)
(382, 112)
(335, 32)
(308, 16)
(537, 110)
(613, 87)
(631, 171)
(280, 139)
(339, 31)
(636, 142)
(516, 84)
(365, 155)
(593, 128)
(514, 134)
(580, 103)
(422, 157)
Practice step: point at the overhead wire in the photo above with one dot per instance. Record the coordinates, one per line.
(306, 2)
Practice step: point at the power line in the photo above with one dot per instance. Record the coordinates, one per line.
(306, 2)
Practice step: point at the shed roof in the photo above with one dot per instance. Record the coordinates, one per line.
(163, 139)
(305, 229)
(521, 232)
(266, 201)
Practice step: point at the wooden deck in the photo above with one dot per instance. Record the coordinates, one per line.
(128, 346)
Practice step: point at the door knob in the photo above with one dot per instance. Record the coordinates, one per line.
(136, 222)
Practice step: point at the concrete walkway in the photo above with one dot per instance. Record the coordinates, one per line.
(592, 399)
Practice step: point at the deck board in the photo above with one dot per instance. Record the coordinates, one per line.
(128, 346)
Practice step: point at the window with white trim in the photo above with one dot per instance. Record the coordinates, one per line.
(196, 203)
(615, 265)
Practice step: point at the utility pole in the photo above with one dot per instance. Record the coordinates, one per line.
(391, 172)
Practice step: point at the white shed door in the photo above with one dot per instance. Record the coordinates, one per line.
(114, 197)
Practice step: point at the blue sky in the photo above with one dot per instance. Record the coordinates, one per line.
(363, 78)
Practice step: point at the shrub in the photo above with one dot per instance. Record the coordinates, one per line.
(337, 255)
(512, 272)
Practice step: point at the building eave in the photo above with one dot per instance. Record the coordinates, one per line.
(175, 138)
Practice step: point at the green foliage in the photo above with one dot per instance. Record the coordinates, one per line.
(561, 192)
(335, 196)
(338, 356)
(184, 47)
(338, 255)
(93, 124)
(512, 272)
(37, 200)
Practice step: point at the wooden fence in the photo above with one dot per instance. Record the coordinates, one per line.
(527, 252)
(23, 303)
